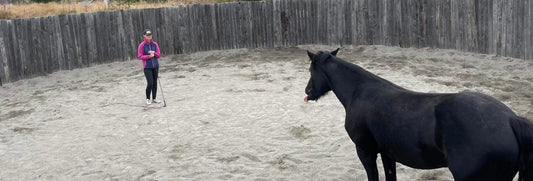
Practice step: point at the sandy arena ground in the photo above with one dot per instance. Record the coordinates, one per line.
(230, 115)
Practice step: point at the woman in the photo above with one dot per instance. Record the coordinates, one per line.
(148, 52)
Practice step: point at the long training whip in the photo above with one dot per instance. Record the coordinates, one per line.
(162, 94)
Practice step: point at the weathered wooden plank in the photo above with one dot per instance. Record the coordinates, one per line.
(100, 39)
(226, 24)
(305, 32)
(528, 40)
(129, 35)
(57, 38)
(92, 48)
(38, 45)
(519, 22)
(320, 23)
(66, 39)
(237, 30)
(211, 36)
(242, 33)
(301, 21)
(138, 27)
(163, 31)
(106, 33)
(259, 24)
(26, 48)
(11, 52)
(443, 24)
(247, 25)
(264, 25)
(114, 44)
(213, 28)
(230, 25)
(255, 24)
(193, 43)
(81, 38)
(287, 32)
(293, 22)
(406, 23)
(397, 21)
(340, 22)
(493, 29)
(48, 60)
(120, 41)
(19, 37)
(172, 29)
(371, 22)
(505, 29)
(457, 16)
(78, 39)
(185, 29)
(348, 22)
(4, 42)
(218, 13)
(315, 20)
(482, 19)
(276, 20)
(326, 22)
(331, 8)
(269, 19)
(178, 46)
(201, 27)
(201, 18)
(197, 27)
(158, 28)
(73, 50)
(183, 34)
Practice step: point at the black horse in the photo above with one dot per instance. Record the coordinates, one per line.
(474, 135)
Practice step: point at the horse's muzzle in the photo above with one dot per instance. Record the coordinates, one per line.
(309, 98)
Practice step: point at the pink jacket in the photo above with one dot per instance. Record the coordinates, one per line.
(143, 54)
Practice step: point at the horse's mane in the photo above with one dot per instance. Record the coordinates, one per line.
(347, 66)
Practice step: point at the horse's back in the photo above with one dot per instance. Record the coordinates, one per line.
(477, 137)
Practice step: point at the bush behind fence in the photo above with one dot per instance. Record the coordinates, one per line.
(39, 46)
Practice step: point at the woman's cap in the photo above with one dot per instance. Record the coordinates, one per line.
(147, 32)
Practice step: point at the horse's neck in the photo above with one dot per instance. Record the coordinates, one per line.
(350, 81)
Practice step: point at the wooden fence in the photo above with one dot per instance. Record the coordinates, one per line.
(39, 46)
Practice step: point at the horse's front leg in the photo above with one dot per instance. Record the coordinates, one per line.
(390, 167)
(368, 158)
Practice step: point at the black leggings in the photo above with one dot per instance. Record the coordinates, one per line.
(151, 78)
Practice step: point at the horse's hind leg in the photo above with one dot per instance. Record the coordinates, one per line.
(368, 158)
(390, 167)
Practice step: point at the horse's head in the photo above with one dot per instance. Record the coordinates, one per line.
(318, 83)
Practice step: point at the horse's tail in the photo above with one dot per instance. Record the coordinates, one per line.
(523, 131)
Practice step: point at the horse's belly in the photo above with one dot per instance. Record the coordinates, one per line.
(420, 158)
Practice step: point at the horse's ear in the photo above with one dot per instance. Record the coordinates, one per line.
(311, 55)
(334, 53)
